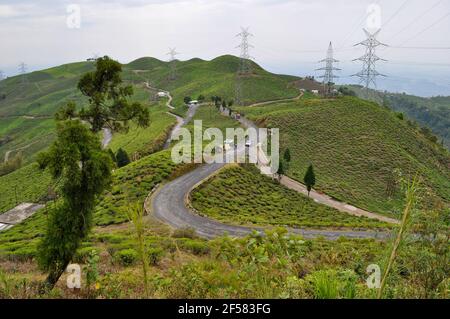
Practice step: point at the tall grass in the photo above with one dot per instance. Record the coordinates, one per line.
(136, 216)
(410, 202)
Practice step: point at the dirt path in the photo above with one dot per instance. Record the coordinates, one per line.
(330, 202)
(19, 149)
(169, 96)
(277, 101)
(175, 130)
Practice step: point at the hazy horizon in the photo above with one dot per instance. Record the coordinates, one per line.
(289, 36)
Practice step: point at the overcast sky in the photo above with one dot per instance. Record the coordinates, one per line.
(290, 36)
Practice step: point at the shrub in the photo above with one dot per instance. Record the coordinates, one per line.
(82, 255)
(184, 233)
(122, 158)
(127, 257)
(332, 284)
(196, 247)
(155, 255)
(23, 254)
(325, 284)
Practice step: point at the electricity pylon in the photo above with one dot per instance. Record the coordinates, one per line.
(2, 77)
(244, 63)
(173, 63)
(368, 74)
(22, 72)
(328, 77)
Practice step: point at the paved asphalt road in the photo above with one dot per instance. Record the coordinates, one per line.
(169, 204)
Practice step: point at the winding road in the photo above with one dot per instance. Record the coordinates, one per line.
(170, 204)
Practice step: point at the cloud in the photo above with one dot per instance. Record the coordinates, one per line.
(290, 35)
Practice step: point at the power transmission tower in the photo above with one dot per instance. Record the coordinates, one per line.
(244, 62)
(22, 72)
(368, 74)
(328, 77)
(173, 64)
(2, 77)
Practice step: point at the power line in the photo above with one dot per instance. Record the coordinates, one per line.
(329, 76)
(395, 14)
(415, 19)
(420, 48)
(368, 74)
(426, 29)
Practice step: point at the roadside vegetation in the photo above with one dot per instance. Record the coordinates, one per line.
(242, 195)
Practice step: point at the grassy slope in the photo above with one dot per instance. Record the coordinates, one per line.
(29, 183)
(355, 146)
(131, 184)
(149, 139)
(244, 196)
(432, 112)
(216, 77)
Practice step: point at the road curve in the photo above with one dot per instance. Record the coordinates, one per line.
(168, 204)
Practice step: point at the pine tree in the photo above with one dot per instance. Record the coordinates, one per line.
(287, 157)
(310, 178)
(280, 171)
(122, 158)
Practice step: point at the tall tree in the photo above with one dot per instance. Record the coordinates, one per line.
(78, 163)
(310, 178)
(83, 169)
(109, 100)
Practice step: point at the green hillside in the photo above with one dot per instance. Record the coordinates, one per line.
(26, 112)
(27, 184)
(433, 112)
(357, 149)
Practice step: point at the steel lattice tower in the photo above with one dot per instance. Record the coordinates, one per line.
(23, 71)
(244, 62)
(328, 77)
(173, 63)
(2, 77)
(369, 73)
